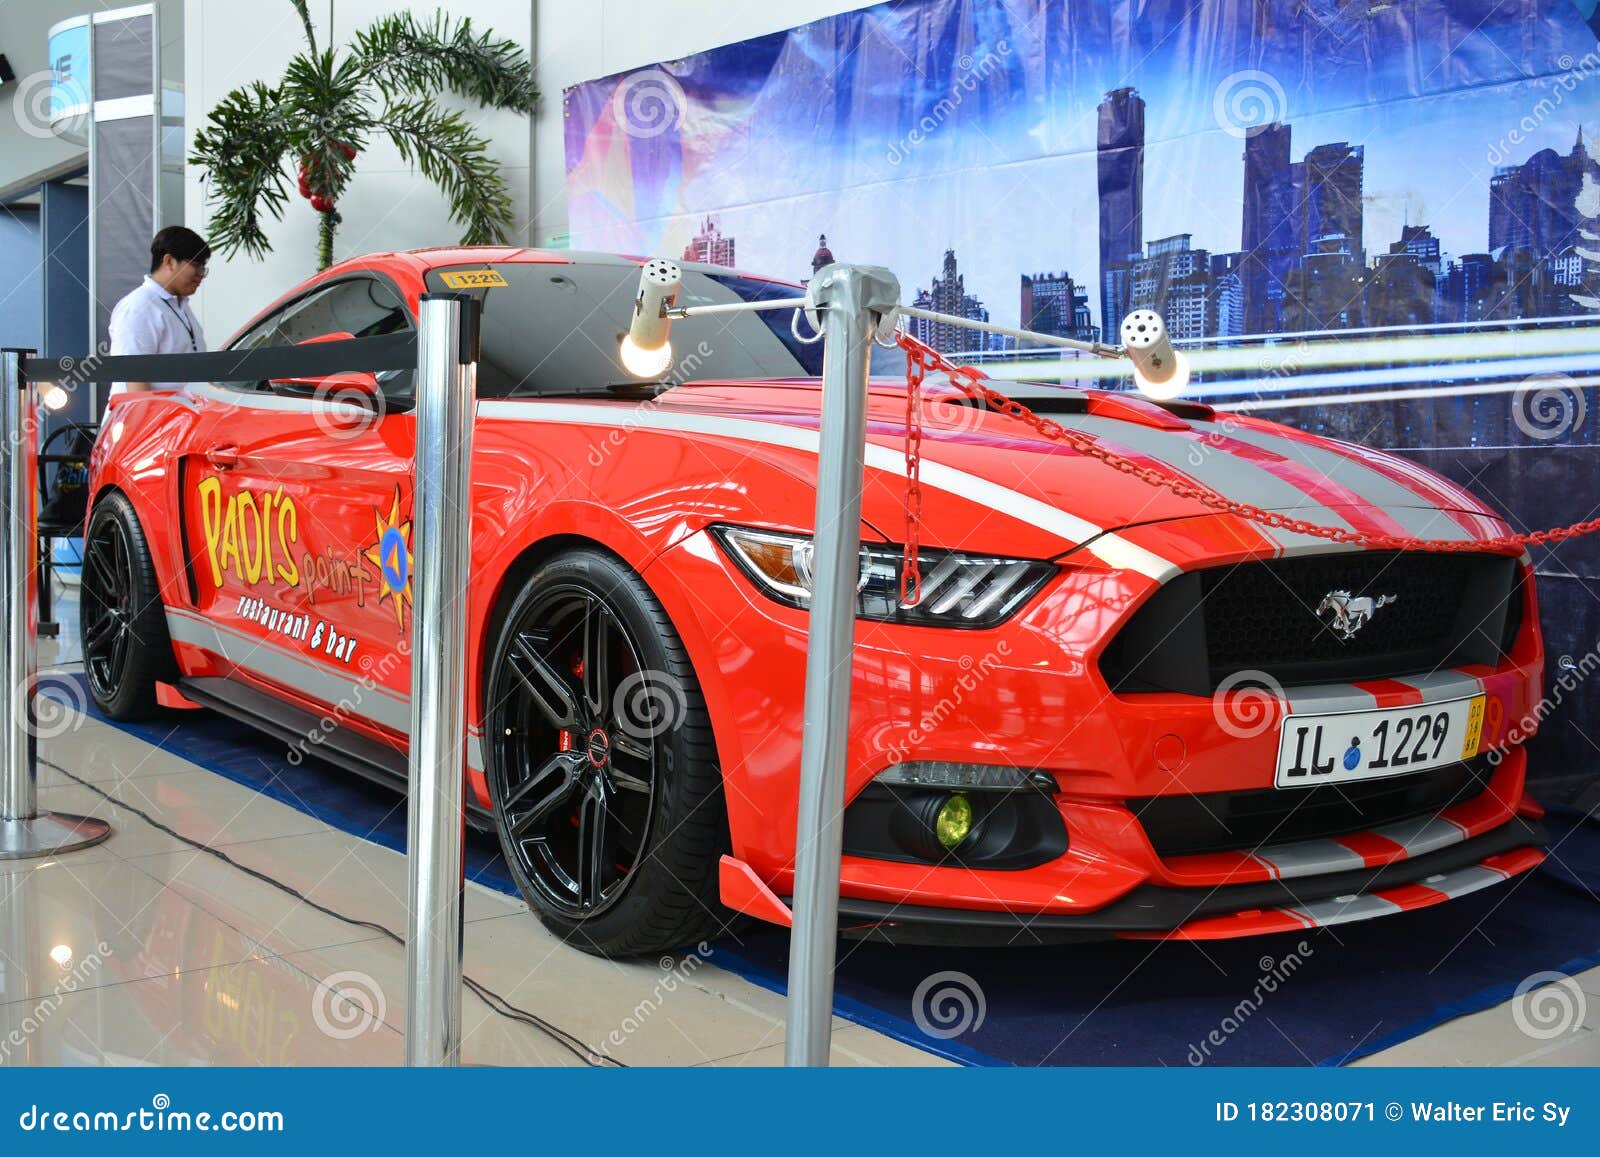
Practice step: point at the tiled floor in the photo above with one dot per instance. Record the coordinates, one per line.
(143, 950)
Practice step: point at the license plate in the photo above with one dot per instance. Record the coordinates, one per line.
(1351, 745)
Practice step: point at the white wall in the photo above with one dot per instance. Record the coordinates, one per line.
(228, 44)
(387, 206)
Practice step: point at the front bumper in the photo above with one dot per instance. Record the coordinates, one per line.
(1159, 912)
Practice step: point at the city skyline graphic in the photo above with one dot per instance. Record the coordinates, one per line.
(1329, 166)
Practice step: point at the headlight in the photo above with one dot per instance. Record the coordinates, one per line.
(958, 590)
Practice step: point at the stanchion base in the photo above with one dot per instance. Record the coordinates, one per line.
(48, 834)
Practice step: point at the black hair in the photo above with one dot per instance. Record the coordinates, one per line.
(182, 244)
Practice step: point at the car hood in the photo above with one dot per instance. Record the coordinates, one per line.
(993, 482)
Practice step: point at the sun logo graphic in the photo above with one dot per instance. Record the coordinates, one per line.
(391, 554)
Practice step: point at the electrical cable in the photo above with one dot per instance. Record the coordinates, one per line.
(495, 1002)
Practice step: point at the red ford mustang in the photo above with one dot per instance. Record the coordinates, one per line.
(1114, 712)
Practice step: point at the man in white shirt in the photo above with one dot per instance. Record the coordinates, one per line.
(155, 318)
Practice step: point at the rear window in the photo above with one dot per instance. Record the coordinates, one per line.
(554, 330)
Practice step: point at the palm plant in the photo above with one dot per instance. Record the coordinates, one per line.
(329, 105)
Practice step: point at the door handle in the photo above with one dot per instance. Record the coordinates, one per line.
(223, 457)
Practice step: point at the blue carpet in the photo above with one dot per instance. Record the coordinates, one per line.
(1350, 991)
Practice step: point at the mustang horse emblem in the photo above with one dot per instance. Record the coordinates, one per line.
(1350, 614)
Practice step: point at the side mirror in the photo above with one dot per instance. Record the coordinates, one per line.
(350, 386)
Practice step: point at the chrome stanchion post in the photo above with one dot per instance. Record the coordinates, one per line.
(25, 831)
(441, 504)
(851, 301)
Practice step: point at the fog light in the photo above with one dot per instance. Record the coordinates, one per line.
(954, 822)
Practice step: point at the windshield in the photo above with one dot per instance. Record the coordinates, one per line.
(554, 329)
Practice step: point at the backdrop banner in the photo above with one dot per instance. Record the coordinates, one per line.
(1378, 221)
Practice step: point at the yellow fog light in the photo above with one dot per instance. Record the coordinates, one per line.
(954, 821)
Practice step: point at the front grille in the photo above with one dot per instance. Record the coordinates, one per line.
(1227, 821)
(1446, 610)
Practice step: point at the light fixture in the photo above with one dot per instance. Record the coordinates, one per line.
(958, 590)
(643, 363)
(61, 954)
(953, 824)
(645, 351)
(53, 397)
(1160, 372)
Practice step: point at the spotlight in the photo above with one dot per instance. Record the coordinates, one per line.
(53, 397)
(1159, 371)
(643, 363)
(645, 351)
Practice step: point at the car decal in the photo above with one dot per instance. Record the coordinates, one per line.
(1360, 474)
(361, 697)
(1108, 547)
(1348, 909)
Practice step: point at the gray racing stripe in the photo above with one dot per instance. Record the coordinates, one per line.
(353, 693)
(1411, 510)
(1345, 910)
(1464, 881)
(1226, 473)
(1309, 858)
(1438, 686)
(1423, 835)
(1329, 697)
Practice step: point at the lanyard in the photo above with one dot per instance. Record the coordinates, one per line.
(178, 313)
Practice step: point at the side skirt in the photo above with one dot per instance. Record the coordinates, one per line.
(365, 757)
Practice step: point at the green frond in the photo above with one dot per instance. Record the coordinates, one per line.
(326, 109)
(447, 151)
(305, 20)
(405, 56)
(241, 149)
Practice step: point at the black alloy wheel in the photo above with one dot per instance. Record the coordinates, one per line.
(122, 623)
(602, 772)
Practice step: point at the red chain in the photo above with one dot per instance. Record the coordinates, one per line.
(921, 358)
(911, 572)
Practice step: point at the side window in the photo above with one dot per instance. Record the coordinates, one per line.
(361, 307)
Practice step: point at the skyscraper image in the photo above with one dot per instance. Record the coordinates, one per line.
(1270, 236)
(710, 246)
(1120, 156)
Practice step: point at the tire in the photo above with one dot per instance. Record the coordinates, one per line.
(603, 776)
(122, 625)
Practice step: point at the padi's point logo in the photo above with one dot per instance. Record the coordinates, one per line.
(391, 554)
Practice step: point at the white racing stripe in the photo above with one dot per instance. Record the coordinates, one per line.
(1111, 549)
